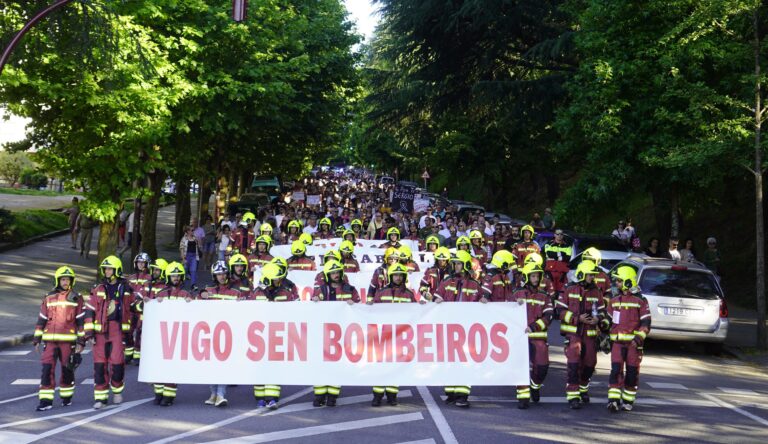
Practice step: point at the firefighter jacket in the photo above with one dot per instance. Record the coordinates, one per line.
(497, 287)
(392, 294)
(301, 263)
(257, 260)
(222, 293)
(61, 318)
(629, 316)
(109, 302)
(539, 309)
(282, 293)
(432, 278)
(575, 300)
(459, 288)
(351, 265)
(345, 292)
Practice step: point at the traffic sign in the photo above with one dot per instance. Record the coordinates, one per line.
(425, 176)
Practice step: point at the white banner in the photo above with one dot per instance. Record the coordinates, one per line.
(420, 205)
(333, 343)
(298, 195)
(369, 258)
(313, 199)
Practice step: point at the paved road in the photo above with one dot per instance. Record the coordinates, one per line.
(684, 396)
(15, 202)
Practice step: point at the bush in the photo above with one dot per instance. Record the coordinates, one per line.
(33, 179)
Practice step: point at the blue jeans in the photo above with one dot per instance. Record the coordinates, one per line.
(219, 390)
(191, 265)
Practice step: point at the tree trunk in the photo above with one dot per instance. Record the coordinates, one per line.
(674, 223)
(205, 197)
(149, 228)
(242, 179)
(107, 240)
(183, 209)
(661, 212)
(223, 197)
(762, 336)
(135, 244)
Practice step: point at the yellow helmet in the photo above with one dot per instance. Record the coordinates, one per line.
(159, 264)
(238, 259)
(294, 224)
(340, 230)
(389, 252)
(584, 268)
(174, 269)
(534, 258)
(64, 272)
(266, 228)
(357, 222)
(592, 254)
(442, 254)
(331, 255)
(405, 252)
(528, 228)
(397, 268)
(349, 233)
(531, 268)
(476, 234)
(331, 267)
(432, 240)
(266, 239)
(112, 262)
(306, 239)
(271, 272)
(280, 262)
(463, 257)
(325, 221)
(627, 275)
(394, 231)
(298, 248)
(347, 247)
(503, 259)
(463, 240)
(249, 217)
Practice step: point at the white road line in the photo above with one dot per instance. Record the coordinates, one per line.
(85, 352)
(348, 400)
(734, 408)
(15, 352)
(20, 397)
(736, 391)
(231, 420)
(26, 382)
(62, 429)
(421, 441)
(88, 381)
(326, 428)
(667, 385)
(437, 416)
(640, 401)
(14, 437)
(60, 415)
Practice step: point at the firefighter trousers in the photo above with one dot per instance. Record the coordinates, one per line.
(625, 372)
(56, 352)
(108, 362)
(538, 352)
(581, 357)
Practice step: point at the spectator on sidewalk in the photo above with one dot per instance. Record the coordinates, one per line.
(190, 248)
(73, 211)
(687, 252)
(673, 253)
(224, 238)
(85, 225)
(653, 249)
(623, 233)
(711, 256)
(122, 217)
(549, 220)
(537, 222)
(209, 241)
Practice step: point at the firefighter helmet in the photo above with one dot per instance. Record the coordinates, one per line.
(503, 259)
(465, 258)
(432, 239)
(64, 272)
(396, 269)
(174, 269)
(270, 273)
(442, 254)
(112, 262)
(141, 257)
(266, 228)
(238, 259)
(463, 240)
(219, 267)
(347, 247)
(592, 254)
(306, 238)
(332, 266)
(627, 275)
(394, 231)
(531, 268)
(584, 268)
(331, 255)
(298, 248)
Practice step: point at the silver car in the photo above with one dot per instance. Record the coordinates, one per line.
(685, 299)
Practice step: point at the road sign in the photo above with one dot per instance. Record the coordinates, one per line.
(425, 176)
(239, 8)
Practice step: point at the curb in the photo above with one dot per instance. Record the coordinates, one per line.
(738, 353)
(31, 240)
(12, 341)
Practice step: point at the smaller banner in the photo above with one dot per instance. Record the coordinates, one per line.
(298, 196)
(313, 199)
(402, 199)
(420, 205)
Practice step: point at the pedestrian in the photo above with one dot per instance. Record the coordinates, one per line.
(73, 212)
(224, 239)
(711, 256)
(653, 249)
(537, 222)
(189, 249)
(622, 233)
(687, 253)
(548, 220)
(673, 253)
(85, 226)
(137, 280)
(558, 254)
(209, 241)
(60, 329)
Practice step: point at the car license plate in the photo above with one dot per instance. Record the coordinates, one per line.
(677, 311)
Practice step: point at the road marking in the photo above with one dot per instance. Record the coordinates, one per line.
(60, 415)
(15, 352)
(231, 420)
(14, 437)
(85, 352)
(88, 381)
(736, 391)
(640, 401)
(20, 397)
(326, 428)
(421, 441)
(62, 429)
(26, 382)
(734, 408)
(667, 385)
(437, 416)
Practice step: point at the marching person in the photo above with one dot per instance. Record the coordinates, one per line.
(479, 250)
(558, 254)
(108, 314)
(432, 243)
(221, 291)
(602, 280)
(324, 232)
(148, 292)
(299, 259)
(460, 287)
(273, 289)
(539, 310)
(238, 273)
(347, 250)
(260, 255)
(332, 289)
(435, 274)
(165, 393)
(393, 239)
(357, 227)
(60, 328)
(349, 235)
(293, 233)
(243, 235)
(396, 291)
(581, 309)
(330, 255)
(546, 285)
(630, 323)
(406, 258)
(526, 245)
(497, 286)
(137, 280)
(380, 277)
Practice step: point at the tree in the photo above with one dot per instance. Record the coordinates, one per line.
(12, 165)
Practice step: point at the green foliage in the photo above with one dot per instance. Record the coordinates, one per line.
(33, 179)
(12, 165)
(18, 227)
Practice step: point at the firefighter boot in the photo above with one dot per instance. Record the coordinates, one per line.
(158, 398)
(392, 399)
(319, 401)
(331, 401)
(377, 397)
(613, 406)
(574, 404)
(523, 404)
(45, 404)
(167, 401)
(535, 395)
(462, 401)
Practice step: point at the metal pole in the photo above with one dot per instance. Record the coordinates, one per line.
(17, 38)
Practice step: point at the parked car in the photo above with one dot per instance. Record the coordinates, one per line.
(272, 186)
(503, 218)
(408, 183)
(685, 299)
(463, 208)
(386, 180)
(252, 202)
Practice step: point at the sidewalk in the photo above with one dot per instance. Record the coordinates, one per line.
(742, 335)
(16, 202)
(26, 275)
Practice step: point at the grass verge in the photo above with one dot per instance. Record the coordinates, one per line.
(27, 192)
(23, 225)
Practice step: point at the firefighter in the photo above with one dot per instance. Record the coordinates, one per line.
(324, 229)
(460, 287)
(307, 239)
(526, 245)
(406, 258)
(357, 226)
(238, 273)
(333, 288)
(497, 286)
(349, 235)
(299, 260)
(283, 264)
(630, 322)
(339, 231)
(165, 393)
(60, 328)
(581, 308)
(108, 314)
(602, 280)
(220, 290)
(558, 254)
(432, 243)
(273, 289)
(330, 255)
(347, 250)
(137, 281)
(396, 291)
(150, 289)
(499, 238)
(260, 255)
(546, 285)
(294, 231)
(266, 230)
(243, 235)
(539, 311)
(465, 243)
(393, 239)
(479, 251)
(435, 274)
(380, 278)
